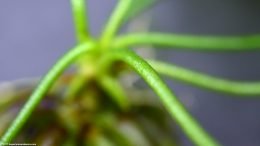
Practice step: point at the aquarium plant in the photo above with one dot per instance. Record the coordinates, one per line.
(95, 103)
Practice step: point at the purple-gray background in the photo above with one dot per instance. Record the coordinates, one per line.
(33, 34)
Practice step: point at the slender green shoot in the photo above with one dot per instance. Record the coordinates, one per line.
(80, 20)
(115, 90)
(189, 125)
(107, 120)
(42, 89)
(205, 81)
(191, 42)
(100, 140)
(75, 86)
(82, 34)
(137, 7)
(114, 23)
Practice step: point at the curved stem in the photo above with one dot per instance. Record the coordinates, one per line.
(191, 42)
(114, 23)
(75, 86)
(189, 125)
(47, 81)
(206, 81)
(115, 90)
(110, 126)
(80, 20)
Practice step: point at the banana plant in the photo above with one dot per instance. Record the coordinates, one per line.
(96, 109)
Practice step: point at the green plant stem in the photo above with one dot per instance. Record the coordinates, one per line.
(189, 125)
(75, 86)
(137, 7)
(206, 81)
(45, 84)
(110, 125)
(112, 87)
(114, 22)
(191, 42)
(80, 20)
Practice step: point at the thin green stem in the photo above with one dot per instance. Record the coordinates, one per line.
(80, 20)
(100, 139)
(75, 86)
(115, 90)
(206, 81)
(110, 125)
(114, 22)
(189, 125)
(191, 42)
(45, 84)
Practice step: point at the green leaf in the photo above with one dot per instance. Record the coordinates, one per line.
(115, 90)
(43, 87)
(80, 20)
(190, 42)
(206, 81)
(176, 109)
(138, 6)
(124, 10)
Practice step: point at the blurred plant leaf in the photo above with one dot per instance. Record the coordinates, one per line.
(138, 6)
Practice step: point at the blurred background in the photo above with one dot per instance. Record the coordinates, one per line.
(34, 34)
